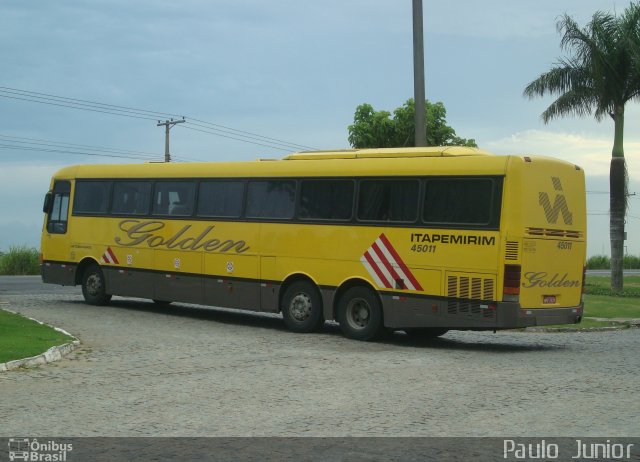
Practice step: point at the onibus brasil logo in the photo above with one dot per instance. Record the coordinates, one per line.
(30, 449)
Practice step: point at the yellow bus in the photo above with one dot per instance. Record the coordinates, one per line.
(422, 240)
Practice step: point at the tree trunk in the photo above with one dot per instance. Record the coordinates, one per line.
(618, 201)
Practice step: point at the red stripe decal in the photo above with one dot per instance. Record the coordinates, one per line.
(112, 255)
(380, 274)
(401, 263)
(387, 264)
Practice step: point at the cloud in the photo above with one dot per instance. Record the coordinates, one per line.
(593, 153)
(22, 187)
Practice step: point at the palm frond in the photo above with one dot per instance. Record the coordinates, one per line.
(601, 70)
(565, 76)
(578, 101)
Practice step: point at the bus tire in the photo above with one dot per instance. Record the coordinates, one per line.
(302, 307)
(360, 314)
(94, 287)
(426, 333)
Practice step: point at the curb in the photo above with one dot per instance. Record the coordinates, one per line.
(55, 353)
(621, 325)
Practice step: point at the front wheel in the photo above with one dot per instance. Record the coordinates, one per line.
(360, 314)
(302, 307)
(94, 287)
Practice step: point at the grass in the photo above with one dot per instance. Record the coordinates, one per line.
(601, 285)
(601, 303)
(22, 338)
(20, 260)
(586, 324)
(606, 306)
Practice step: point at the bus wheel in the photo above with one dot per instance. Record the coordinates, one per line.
(360, 314)
(93, 286)
(302, 307)
(426, 333)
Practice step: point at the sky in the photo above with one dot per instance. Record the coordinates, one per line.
(292, 71)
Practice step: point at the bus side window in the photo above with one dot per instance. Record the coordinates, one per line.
(131, 197)
(271, 199)
(326, 199)
(59, 209)
(388, 200)
(220, 199)
(174, 198)
(459, 201)
(91, 197)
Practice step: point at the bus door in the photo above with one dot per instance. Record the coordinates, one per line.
(55, 239)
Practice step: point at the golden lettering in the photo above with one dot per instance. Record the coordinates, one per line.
(141, 232)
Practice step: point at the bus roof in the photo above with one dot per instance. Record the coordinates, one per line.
(433, 151)
(442, 160)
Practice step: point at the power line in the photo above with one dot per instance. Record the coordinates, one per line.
(224, 129)
(71, 106)
(19, 139)
(144, 114)
(63, 151)
(42, 145)
(84, 102)
(233, 138)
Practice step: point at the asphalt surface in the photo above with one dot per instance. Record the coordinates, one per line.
(627, 272)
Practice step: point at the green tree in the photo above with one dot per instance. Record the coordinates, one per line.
(377, 129)
(599, 76)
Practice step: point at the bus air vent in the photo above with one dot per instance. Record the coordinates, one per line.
(550, 232)
(512, 251)
(468, 295)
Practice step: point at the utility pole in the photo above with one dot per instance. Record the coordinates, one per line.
(167, 126)
(418, 75)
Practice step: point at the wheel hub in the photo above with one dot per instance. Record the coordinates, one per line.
(300, 307)
(94, 285)
(358, 313)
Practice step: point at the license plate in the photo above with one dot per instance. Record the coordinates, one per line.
(549, 299)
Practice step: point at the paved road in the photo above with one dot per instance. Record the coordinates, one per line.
(22, 285)
(627, 272)
(189, 371)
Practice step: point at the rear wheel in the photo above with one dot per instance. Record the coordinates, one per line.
(94, 287)
(360, 314)
(302, 307)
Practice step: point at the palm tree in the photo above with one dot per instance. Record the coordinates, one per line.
(601, 74)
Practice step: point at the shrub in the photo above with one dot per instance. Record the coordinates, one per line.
(20, 260)
(631, 262)
(599, 262)
(603, 262)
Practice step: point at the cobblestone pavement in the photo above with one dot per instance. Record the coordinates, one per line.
(188, 371)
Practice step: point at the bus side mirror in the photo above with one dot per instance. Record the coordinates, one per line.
(46, 207)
